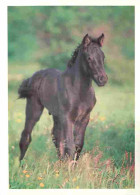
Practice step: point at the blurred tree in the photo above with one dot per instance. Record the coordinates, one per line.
(49, 35)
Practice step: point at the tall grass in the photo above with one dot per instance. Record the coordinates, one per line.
(91, 171)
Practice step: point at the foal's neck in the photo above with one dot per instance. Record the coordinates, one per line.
(78, 74)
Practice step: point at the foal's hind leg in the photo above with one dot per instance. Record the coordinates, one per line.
(33, 112)
(79, 134)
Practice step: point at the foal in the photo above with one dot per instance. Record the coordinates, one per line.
(68, 96)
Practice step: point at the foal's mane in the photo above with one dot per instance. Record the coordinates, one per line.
(76, 51)
(74, 56)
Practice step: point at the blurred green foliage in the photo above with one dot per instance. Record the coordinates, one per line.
(49, 35)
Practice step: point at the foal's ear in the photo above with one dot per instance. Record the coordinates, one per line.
(101, 40)
(86, 40)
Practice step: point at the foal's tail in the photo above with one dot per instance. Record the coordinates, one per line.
(25, 90)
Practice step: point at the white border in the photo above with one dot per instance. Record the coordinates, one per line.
(68, 2)
(4, 95)
(3, 101)
(137, 96)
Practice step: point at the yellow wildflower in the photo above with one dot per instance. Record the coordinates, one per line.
(57, 175)
(27, 175)
(24, 171)
(74, 179)
(39, 178)
(77, 187)
(19, 114)
(18, 120)
(57, 171)
(102, 118)
(41, 185)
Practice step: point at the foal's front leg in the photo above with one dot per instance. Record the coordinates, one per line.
(57, 137)
(66, 141)
(79, 134)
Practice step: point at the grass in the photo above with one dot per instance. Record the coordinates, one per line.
(107, 159)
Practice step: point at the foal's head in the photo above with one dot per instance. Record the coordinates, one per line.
(94, 58)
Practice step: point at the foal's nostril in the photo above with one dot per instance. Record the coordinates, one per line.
(101, 79)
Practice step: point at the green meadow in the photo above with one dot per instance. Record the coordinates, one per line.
(107, 159)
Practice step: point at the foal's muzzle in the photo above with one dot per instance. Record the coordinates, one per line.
(101, 80)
